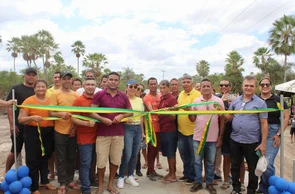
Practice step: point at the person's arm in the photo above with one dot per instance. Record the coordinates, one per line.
(79, 122)
(96, 116)
(264, 134)
(24, 119)
(7, 103)
(221, 123)
(277, 138)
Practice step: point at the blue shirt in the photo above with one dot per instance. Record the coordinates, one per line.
(246, 127)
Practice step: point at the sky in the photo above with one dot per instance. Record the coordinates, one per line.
(163, 39)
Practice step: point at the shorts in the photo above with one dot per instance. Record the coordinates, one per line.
(168, 143)
(109, 146)
(292, 130)
(19, 140)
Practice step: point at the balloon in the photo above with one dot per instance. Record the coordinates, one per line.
(26, 182)
(25, 191)
(10, 176)
(4, 186)
(273, 190)
(272, 180)
(7, 192)
(15, 187)
(286, 192)
(291, 187)
(22, 172)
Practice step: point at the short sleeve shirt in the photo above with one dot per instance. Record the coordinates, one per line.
(155, 102)
(167, 124)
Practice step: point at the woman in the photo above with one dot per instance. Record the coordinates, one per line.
(133, 134)
(35, 141)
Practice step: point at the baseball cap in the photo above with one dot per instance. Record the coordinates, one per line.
(30, 70)
(131, 81)
(63, 74)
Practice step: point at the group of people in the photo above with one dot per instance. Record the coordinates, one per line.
(117, 138)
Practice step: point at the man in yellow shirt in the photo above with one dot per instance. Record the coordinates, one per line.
(65, 134)
(186, 131)
(56, 84)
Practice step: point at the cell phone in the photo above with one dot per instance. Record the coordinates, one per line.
(258, 153)
(230, 97)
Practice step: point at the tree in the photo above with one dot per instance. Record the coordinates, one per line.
(261, 57)
(282, 38)
(78, 49)
(29, 47)
(14, 46)
(233, 70)
(203, 68)
(95, 61)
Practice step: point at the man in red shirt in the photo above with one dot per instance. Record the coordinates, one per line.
(86, 135)
(168, 134)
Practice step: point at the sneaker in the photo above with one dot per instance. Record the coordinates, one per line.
(211, 189)
(183, 179)
(130, 180)
(120, 183)
(234, 192)
(217, 177)
(138, 173)
(189, 181)
(196, 187)
(152, 176)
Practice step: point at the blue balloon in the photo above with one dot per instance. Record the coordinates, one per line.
(26, 182)
(272, 180)
(281, 184)
(10, 176)
(25, 191)
(7, 192)
(273, 190)
(286, 192)
(4, 186)
(22, 172)
(15, 187)
(291, 187)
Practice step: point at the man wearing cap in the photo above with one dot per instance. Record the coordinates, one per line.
(65, 134)
(21, 91)
(110, 133)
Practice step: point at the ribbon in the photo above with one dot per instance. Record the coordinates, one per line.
(204, 137)
(40, 138)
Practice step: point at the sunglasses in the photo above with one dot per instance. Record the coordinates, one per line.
(131, 86)
(264, 85)
(225, 85)
(140, 90)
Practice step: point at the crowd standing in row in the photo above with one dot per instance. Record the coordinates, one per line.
(236, 137)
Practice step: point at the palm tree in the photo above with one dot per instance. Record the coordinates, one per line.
(29, 48)
(96, 62)
(261, 58)
(282, 38)
(203, 68)
(235, 61)
(14, 46)
(78, 49)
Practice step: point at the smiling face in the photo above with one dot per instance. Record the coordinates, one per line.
(249, 87)
(140, 90)
(66, 82)
(153, 85)
(265, 87)
(206, 88)
(56, 79)
(40, 88)
(76, 85)
(30, 78)
(132, 89)
(187, 85)
(224, 87)
(89, 87)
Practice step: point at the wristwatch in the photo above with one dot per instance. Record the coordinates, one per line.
(279, 134)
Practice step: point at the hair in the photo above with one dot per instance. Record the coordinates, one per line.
(89, 78)
(40, 81)
(141, 85)
(114, 73)
(249, 78)
(56, 72)
(76, 79)
(205, 80)
(264, 79)
(151, 78)
(104, 76)
(187, 77)
(174, 79)
(226, 81)
(89, 71)
(165, 83)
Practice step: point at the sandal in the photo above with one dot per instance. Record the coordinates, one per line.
(159, 166)
(225, 185)
(113, 191)
(61, 190)
(74, 186)
(48, 186)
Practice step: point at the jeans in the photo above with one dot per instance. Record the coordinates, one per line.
(132, 137)
(270, 155)
(209, 152)
(87, 154)
(187, 154)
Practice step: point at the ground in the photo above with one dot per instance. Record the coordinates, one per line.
(146, 186)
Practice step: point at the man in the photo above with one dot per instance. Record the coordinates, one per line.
(174, 87)
(186, 131)
(76, 84)
(168, 134)
(214, 138)
(151, 102)
(104, 82)
(89, 73)
(65, 133)
(21, 92)
(274, 130)
(198, 86)
(86, 135)
(56, 84)
(248, 136)
(110, 136)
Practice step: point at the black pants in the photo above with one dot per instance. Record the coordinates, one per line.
(237, 153)
(65, 151)
(34, 159)
(138, 164)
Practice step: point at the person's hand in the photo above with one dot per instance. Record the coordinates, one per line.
(276, 141)
(117, 119)
(219, 142)
(11, 102)
(129, 120)
(91, 123)
(143, 136)
(225, 97)
(37, 118)
(262, 148)
(73, 132)
(65, 115)
(16, 130)
(107, 121)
